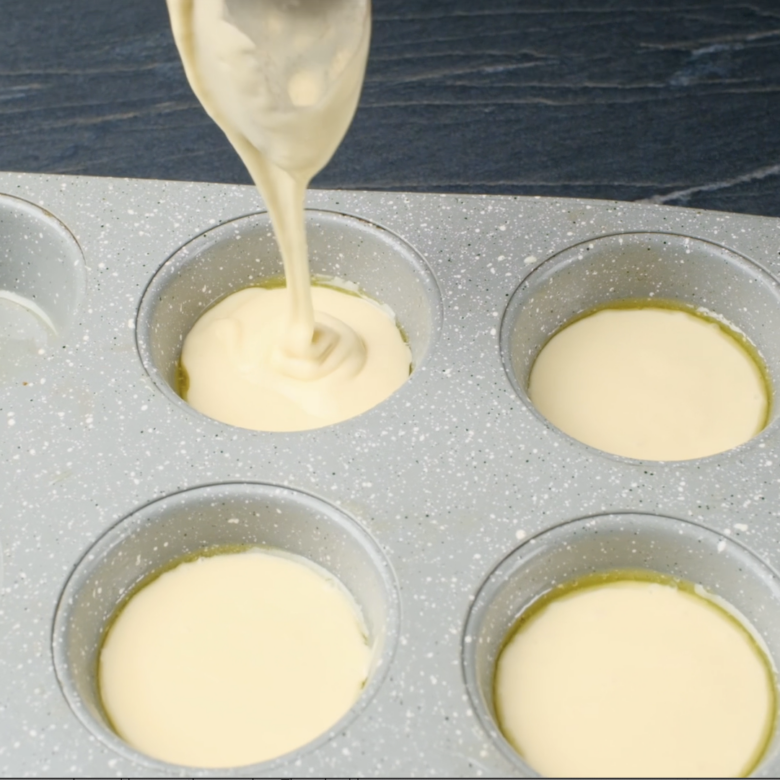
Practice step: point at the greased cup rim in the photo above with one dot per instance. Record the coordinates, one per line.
(422, 346)
(93, 716)
(543, 272)
(705, 541)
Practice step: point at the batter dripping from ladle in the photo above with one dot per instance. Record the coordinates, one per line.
(282, 79)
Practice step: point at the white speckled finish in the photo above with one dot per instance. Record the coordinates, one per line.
(448, 476)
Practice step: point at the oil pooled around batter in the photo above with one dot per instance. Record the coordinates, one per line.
(635, 674)
(654, 380)
(231, 657)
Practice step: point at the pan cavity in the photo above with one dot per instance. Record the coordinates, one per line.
(609, 614)
(212, 304)
(649, 346)
(253, 622)
(41, 286)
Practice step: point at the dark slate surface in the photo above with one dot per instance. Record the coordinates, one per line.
(676, 102)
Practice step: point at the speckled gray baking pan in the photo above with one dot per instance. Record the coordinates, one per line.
(444, 480)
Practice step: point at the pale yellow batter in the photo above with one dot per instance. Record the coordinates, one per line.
(650, 383)
(233, 659)
(232, 359)
(282, 80)
(635, 679)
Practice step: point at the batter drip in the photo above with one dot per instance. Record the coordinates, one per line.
(282, 79)
(236, 375)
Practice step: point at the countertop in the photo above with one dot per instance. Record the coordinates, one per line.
(667, 102)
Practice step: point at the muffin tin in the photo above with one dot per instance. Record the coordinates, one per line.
(444, 510)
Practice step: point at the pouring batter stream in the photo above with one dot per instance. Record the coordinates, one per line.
(282, 79)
